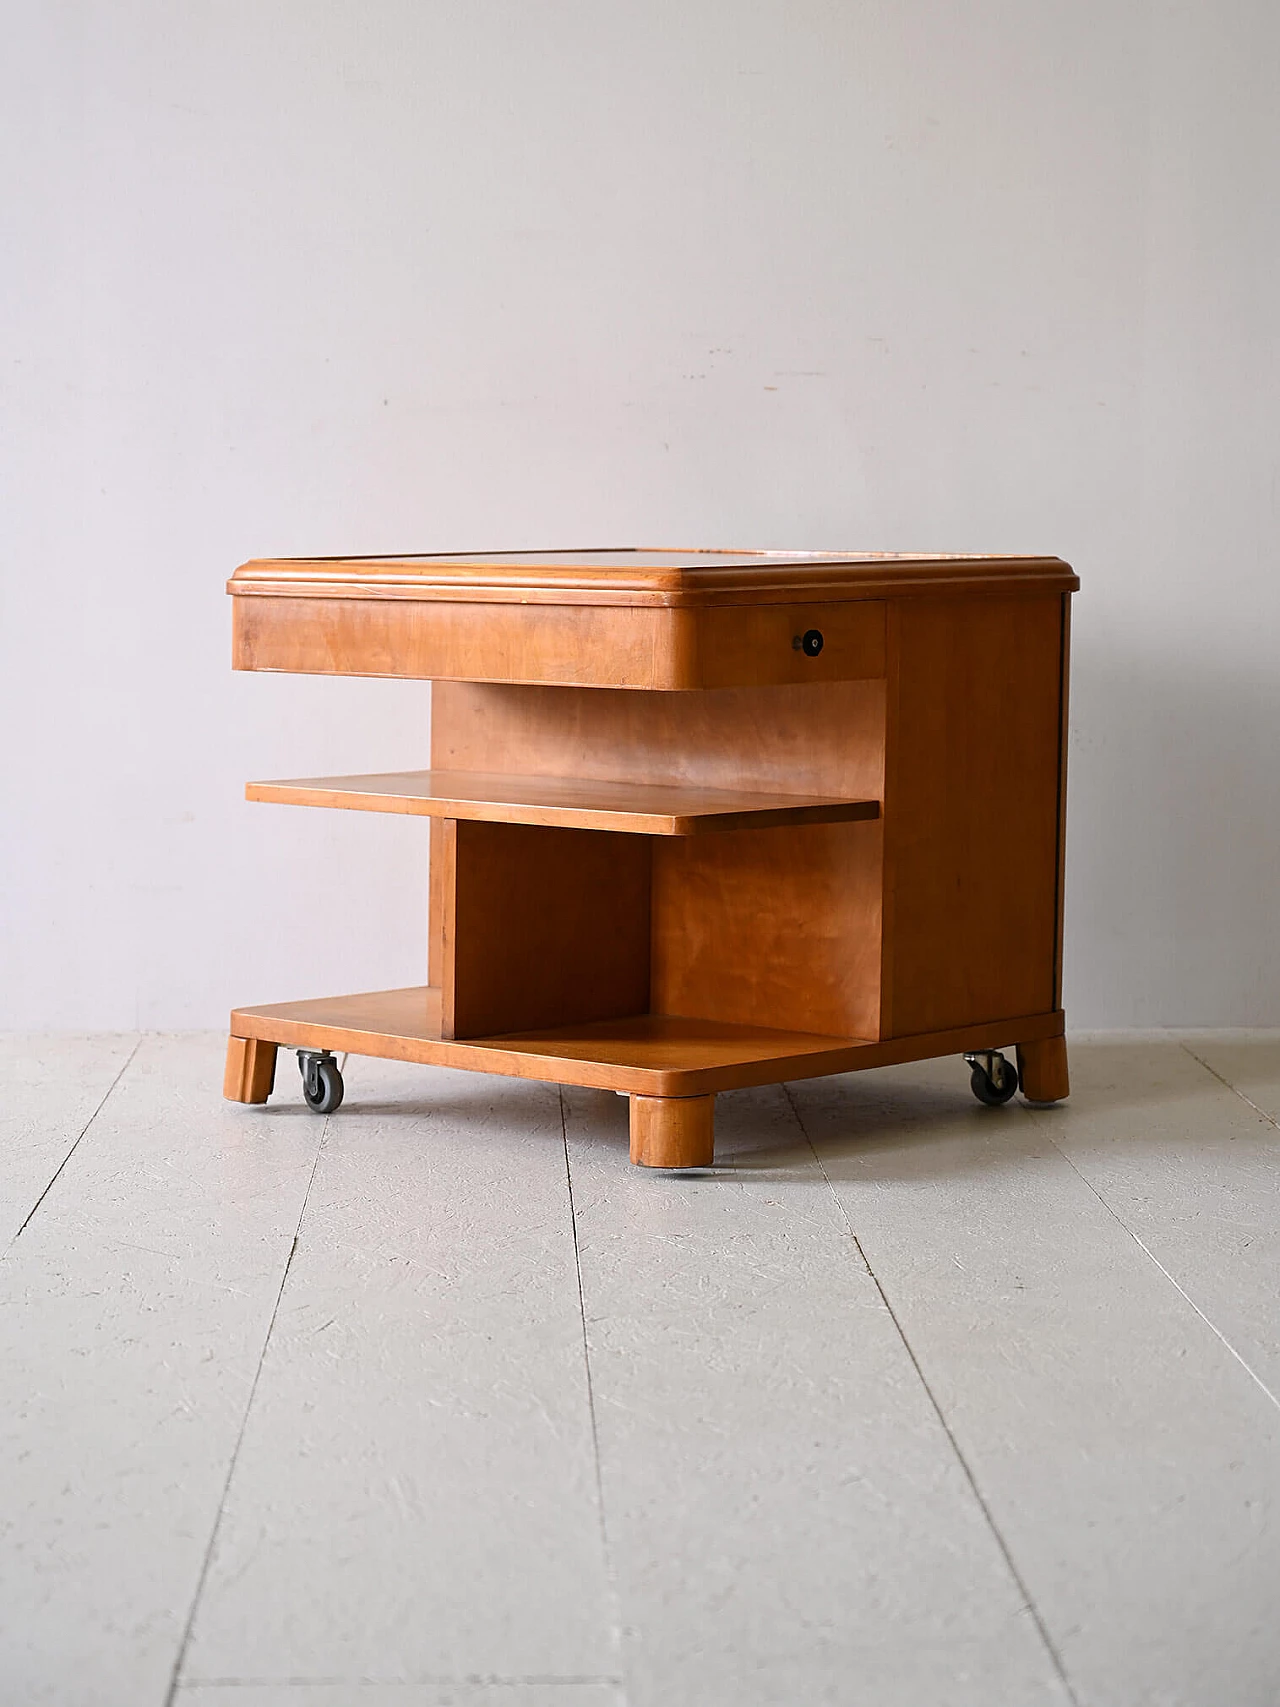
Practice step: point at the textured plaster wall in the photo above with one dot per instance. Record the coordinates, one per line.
(322, 277)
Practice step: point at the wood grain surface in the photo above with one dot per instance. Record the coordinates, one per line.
(815, 738)
(1042, 1068)
(542, 927)
(250, 1071)
(672, 1132)
(655, 647)
(741, 932)
(663, 577)
(971, 810)
(657, 1055)
(567, 802)
(590, 646)
(771, 927)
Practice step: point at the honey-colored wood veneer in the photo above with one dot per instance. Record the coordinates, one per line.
(251, 1070)
(587, 645)
(1042, 1068)
(971, 804)
(542, 927)
(653, 1054)
(565, 801)
(672, 1132)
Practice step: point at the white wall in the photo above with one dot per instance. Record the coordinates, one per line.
(398, 275)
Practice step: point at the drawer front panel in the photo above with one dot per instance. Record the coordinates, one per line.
(622, 646)
(577, 646)
(746, 645)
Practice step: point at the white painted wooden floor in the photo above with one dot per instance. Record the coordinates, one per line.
(910, 1403)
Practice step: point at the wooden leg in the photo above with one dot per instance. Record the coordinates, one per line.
(672, 1132)
(1042, 1067)
(251, 1070)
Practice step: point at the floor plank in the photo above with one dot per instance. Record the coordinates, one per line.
(1249, 1064)
(416, 1493)
(1193, 1171)
(52, 1089)
(1131, 1464)
(414, 1516)
(787, 1520)
(133, 1311)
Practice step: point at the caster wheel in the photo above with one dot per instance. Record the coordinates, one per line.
(994, 1080)
(321, 1081)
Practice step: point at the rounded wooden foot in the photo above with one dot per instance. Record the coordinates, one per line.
(672, 1132)
(251, 1070)
(1042, 1067)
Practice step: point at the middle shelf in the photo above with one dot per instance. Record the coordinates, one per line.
(568, 802)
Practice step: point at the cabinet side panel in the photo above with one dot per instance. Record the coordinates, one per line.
(971, 805)
(1064, 737)
(771, 927)
(542, 927)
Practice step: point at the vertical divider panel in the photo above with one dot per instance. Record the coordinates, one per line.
(435, 902)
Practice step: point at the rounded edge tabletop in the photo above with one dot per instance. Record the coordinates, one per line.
(634, 576)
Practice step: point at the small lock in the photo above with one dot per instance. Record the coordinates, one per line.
(810, 642)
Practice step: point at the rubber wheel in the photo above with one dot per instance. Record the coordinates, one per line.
(995, 1091)
(322, 1086)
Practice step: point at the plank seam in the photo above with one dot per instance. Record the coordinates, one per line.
(1150, 1254)
(1014, 1572)
(591, 1402)
(485, 1680)
(201, 1580)
(1234, 1089)
(75, 1146)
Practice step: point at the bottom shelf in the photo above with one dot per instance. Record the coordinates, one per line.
(653, 1054)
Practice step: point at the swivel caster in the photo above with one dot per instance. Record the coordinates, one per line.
(993, 1080)
(321, 1080)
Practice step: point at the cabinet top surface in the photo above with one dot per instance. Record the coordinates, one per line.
(665, 576)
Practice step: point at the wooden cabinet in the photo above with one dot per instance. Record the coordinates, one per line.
(700, 819)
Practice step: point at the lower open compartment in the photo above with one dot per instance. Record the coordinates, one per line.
(648, 1054)
(542, 927)
(654, 1055)
(659, 964)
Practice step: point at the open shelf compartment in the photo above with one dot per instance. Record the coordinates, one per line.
(564, 802)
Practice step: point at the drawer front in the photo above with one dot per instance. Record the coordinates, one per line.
(622, 646)
(571, 645)
(766, 645)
